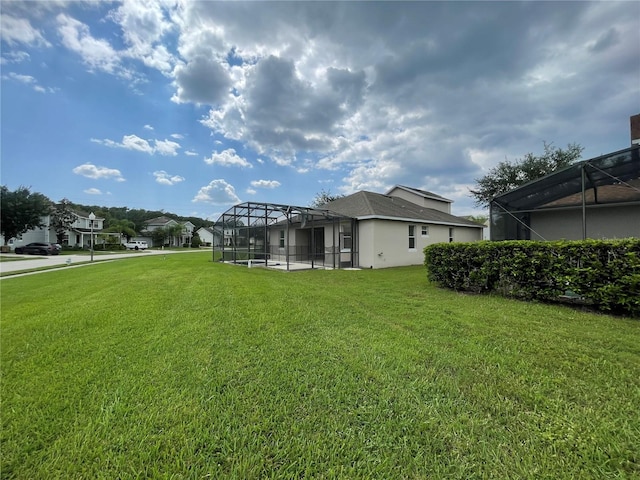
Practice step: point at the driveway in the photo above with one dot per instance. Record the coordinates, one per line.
(41, 261)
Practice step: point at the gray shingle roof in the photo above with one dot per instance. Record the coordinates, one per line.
(424, 193)
(364, 204)
(158, 221)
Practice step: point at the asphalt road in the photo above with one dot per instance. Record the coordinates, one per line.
(43, 261)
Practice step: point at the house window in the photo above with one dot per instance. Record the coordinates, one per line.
(345, 238)
(281, 238)
(450, 234)
(412, 237)
(425, 230)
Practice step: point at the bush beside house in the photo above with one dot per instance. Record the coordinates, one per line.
(195, 241)
(601, 273)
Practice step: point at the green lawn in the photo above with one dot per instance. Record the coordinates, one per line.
(179, 367)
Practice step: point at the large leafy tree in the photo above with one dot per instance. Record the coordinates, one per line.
(62, 217)
(509, 175)
(323, 197)
(481, 219)
(21, 210)
(196, 241)
(126, 228)
(175, 231)
(159, 235)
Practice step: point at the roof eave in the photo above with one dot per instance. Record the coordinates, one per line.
(416, 220)
(416, 192)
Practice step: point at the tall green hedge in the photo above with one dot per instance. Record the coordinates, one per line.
(602, 273)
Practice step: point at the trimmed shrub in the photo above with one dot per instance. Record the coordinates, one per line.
(602, 273)
(113, 246)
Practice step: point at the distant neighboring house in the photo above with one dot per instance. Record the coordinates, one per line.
(77, 235)
(210, 236)
(365, 229)
(596, 198)
(178, 240)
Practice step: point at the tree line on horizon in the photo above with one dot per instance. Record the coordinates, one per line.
(22, 210)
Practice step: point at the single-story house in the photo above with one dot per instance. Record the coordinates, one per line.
(77, 235)
(365, 230)
(596, 198)
(394, 228)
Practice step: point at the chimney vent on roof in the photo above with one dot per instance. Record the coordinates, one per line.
(635, 129)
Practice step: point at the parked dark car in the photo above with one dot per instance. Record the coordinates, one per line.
(40, 248)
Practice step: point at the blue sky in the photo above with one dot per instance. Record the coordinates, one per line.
(191, 107)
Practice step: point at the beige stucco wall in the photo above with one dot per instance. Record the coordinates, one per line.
(385, 243)
(382, 243)
(464, 234)
(297, 238)
(602, 222)
(279, 254)
(367, 244)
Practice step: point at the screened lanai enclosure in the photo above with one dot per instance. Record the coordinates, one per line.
(287, 237)
(596, 198)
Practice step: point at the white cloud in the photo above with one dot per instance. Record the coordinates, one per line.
(251, 191)
(28, 79)
(106, 142)
(143, 25)
(190, 153)
(218, 192)
(92, 171)
(19, 30)
(177, 136)
(164, 178)
(485, 159)
(93, 191)
(227, 158)
(41, 89)
(265, 183)
(96, 53)
(148, 127)
(133, 142)
(14, 57)
(166, 147)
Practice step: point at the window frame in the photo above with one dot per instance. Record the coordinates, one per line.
(344, 236)
(412, 238)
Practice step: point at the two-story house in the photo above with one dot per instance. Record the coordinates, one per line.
(178, 233)
(77, 235)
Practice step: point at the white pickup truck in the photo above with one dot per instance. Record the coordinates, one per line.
(136, 245)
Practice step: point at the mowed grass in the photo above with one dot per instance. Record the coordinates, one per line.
(180, 367)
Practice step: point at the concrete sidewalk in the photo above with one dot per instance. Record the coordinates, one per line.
(30, 262)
